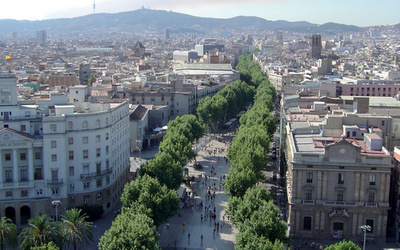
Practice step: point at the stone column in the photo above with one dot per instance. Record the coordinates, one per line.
(382, 188)
(299, 184)
(31, 169)
(362, 188)
(324, 183)
(15, 166)
(319, 185)
(357, 188)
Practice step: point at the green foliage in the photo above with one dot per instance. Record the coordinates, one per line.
(151, 197)
(41, 230)
(343, 245)
(238, 181)
(94, 212)
(163, 167)
(130, 230)
(8, 233)
(48, 246)
(178, 146)
(76, 231)
(249, 241)
(188, 125)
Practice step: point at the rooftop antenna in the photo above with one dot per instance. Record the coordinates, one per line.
(94, 6)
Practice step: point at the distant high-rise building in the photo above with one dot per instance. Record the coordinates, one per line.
(279, 37)
(316, 46)
(166, 33)
(41, 36)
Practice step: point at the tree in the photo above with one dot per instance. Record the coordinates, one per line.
(48, 246)
(178, 146)
(343, 245)
(238, 181)
(75, 229)
(156, 200)
(187, 124)
(256, 242)
(130, 230)
(8, 233)
(41, 230)
(163, 167)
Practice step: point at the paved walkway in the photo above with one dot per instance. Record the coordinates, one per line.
(176, 237)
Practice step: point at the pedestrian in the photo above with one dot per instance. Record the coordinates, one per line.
(188, 236)
(167, 226)
(183, 226)
(201, 217)
(201, 237)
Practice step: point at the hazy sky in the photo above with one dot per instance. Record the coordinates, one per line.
(357, 12)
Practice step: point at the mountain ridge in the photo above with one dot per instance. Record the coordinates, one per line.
(143, 20)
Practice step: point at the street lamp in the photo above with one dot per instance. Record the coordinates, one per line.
(365, 228)
(56, 203)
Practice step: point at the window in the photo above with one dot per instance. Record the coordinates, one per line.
(85, 140)
(71, 171)
(371, 197)
(53, 127)
(85, 154)
(86, 199)
(85, 124)
(9, 194)
(23, 175)
(97, 152)
(97, 123)
(72, 186)
(53, 144)
(23, 127)
(106, 136)
(38, 174)
(99, 183)
(27, 114)
(39, 192)
(309, 177)
(54, 157)
(307, 223)
(372, 179)
(70, 125)
(38, 155)
(383, 123)
(86, 185)
(340, 178)
(309, 195)
(9, 178)
(70, 140)
(56, 191)
(370, 223)
(22, 156)
(8, 157)
(71, 155)
(24, 193)
(98, 168)
(99, 196)
(106, 149)
(97, 138)
(108, 180)
(353, 133)
(339, 195)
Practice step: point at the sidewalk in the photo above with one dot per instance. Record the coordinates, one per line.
(176, 237)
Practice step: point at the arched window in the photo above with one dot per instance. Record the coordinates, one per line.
(97, 123)
(85, 124)
(107, 121)
(70, 125)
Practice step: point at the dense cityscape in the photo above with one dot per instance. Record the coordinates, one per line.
(219, 139)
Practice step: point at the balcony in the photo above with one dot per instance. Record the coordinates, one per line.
(96, 174)
(55, 182)
(309, 202)
(368, 204)
(340, 203)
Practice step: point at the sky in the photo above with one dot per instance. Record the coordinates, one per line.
(355, 12)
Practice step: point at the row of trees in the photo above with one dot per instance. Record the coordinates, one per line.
(251, 206)
(151, 199)
(225, 104)
(43, 232)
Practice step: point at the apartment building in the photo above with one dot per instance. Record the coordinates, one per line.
(50, 150)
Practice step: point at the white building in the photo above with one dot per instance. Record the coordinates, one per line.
(51, 150)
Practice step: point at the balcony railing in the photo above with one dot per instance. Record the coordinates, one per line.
(55, 182)
(96, 174)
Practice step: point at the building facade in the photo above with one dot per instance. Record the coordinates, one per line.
(50, 150)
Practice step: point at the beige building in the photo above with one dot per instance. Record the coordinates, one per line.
(336, 184)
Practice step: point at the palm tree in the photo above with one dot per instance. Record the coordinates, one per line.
(75, 229)
(8, 233)
(41, 230)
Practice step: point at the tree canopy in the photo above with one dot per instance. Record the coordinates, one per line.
(343, 245)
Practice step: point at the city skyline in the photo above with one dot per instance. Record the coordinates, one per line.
(360, 13)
